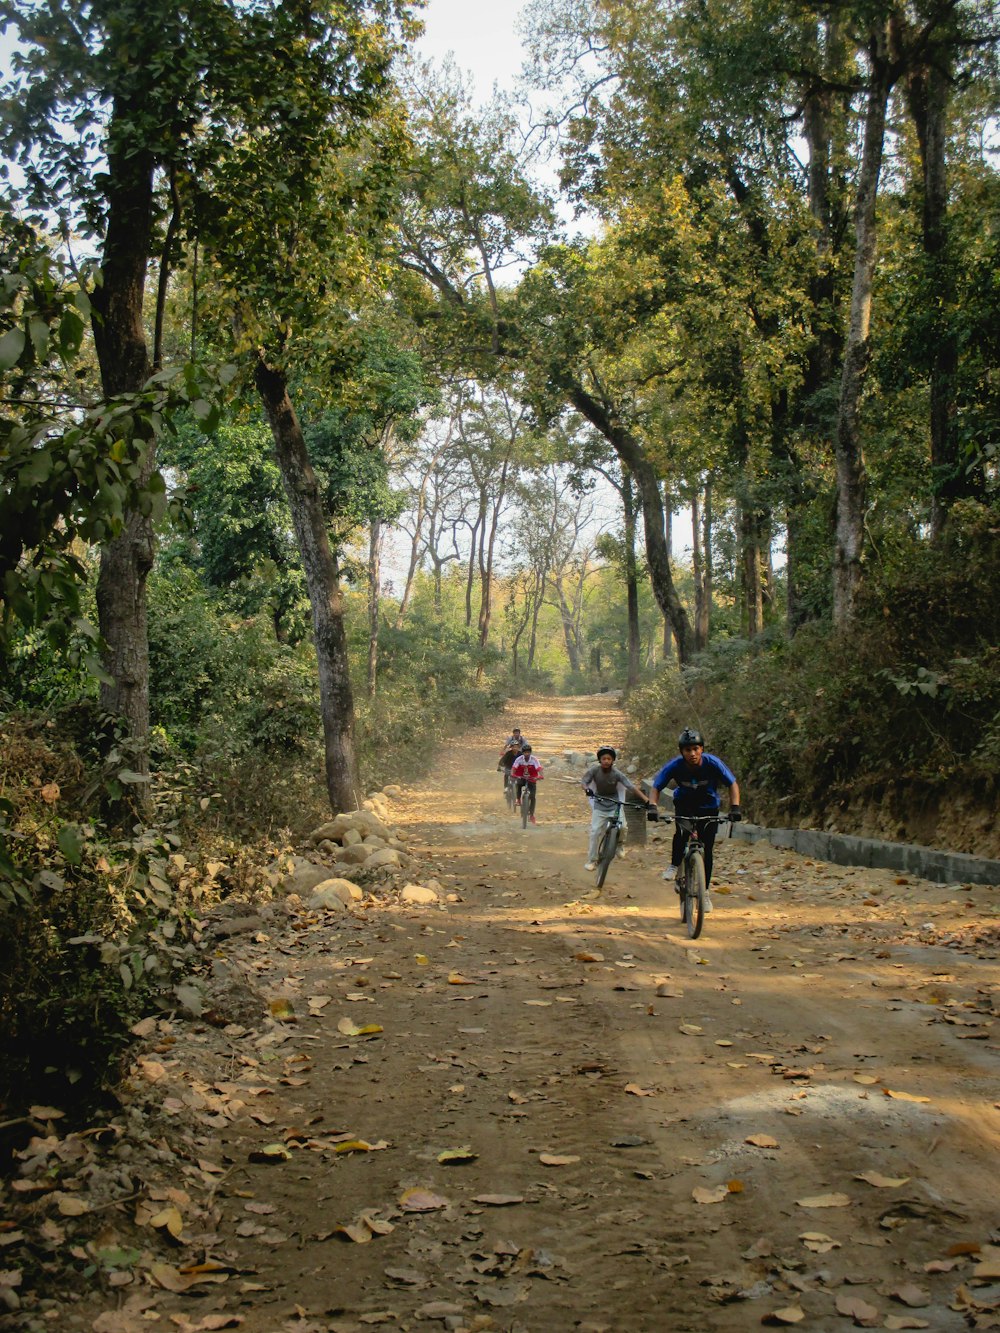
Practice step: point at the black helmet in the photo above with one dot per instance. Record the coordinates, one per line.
(689, 736)
(607, 749)
(526, 748)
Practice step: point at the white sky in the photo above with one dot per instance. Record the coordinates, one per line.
(480, 34)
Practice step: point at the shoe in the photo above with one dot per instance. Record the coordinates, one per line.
(670, 873)
(708, 904)
(531, 819)
(589, 865)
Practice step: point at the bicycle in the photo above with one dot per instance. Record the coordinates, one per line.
(528, 790)
(692, 885)
(614, 835)
(509, 791)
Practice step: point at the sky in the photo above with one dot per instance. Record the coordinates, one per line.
(481, 36)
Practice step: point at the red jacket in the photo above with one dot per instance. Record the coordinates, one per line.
(527, 768)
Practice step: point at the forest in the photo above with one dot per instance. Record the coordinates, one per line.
(340, 406)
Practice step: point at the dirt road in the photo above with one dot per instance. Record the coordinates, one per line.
(793, 1119)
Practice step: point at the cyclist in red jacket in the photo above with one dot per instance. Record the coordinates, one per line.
(526, 771)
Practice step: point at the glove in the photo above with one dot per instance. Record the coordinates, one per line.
(735, 814)
(652, 814)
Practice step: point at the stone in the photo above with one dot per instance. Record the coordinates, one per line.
(363, 820)
(358, 855)
(392, 792)
(329, 848)
(351, 836)
(386, 856)
(418, 893)
(375, 844)
(301, 877)
(345, 890)
(325, 899)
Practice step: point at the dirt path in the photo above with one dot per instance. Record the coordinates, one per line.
(797, 1112)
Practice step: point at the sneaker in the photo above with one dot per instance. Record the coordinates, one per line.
(708, 903)
(531, 819)
(590, 865)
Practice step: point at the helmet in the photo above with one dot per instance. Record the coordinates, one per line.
(689, 736)
(607, 749)
(526, 748)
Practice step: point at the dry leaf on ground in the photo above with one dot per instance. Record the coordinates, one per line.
(882, 1182)
(762, 1141)
(702, 1195)
(825, 1201)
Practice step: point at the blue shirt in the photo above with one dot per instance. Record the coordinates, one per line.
(697, 784)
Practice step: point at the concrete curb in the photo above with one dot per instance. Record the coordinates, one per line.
(845, 850)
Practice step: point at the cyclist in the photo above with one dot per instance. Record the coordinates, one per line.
(605, 785)
(697, 777)
(526, 771)
(511, 750)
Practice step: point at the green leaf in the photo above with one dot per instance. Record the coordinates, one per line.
(11, 346)
(70, 844)
(127, 775)
(39, 331)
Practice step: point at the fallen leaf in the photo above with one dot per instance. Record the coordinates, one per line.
(46, 1112)
(762, 1141)
(910, 1294)
(456, 979)
(866, 1079)
(351, 1029)
(702, 1195)
(168, 1219)
(589, 957)
(498, 1200)
(271, 1152)
(790, 1314)
(819, 1242)
(690, 1029)
(882, 1182)
(456, 1156)
(988, 1262)
(553, 1159)
(421, 1201)
(825, 1201)
(422, 960)
(360, 1145)
(70, 1206)
(540, 1004)
(283, 1010)
(636, 1091)
(898, 1321)
(905, 1096)
(666, 992)
(858, 1309)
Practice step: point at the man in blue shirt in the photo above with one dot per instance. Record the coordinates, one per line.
(697, 777)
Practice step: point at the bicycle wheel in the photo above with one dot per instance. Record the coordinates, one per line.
(510, 792)
(694, 896)
(526, 794)
(606, 854)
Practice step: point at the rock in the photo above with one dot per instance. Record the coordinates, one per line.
(386, 856)
(301, 877)
(378, 806)
(344, 889)
(375, 844)
(363, 820)
(351, 836)
(392, 792)
(329, 848)
(397, 845)
(358, 855)
(237, 925)
(189, 999)
(325, 898)
(418, 893)
(341, 870)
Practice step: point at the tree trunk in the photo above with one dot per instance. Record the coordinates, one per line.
(848, 452)
(705, 629)
(631, 582)
(122, 354)
(630, 452)
(323, 583)
(374, 600)
(473, 551)
(928, 93)
(697, 572)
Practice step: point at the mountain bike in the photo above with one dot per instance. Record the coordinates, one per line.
(527, 801)
(613, 836)
(692, 885)
(509, 791)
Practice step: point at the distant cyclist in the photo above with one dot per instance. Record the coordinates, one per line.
(605, 785)
(697, 777)
(526, 771)
(511, 750)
